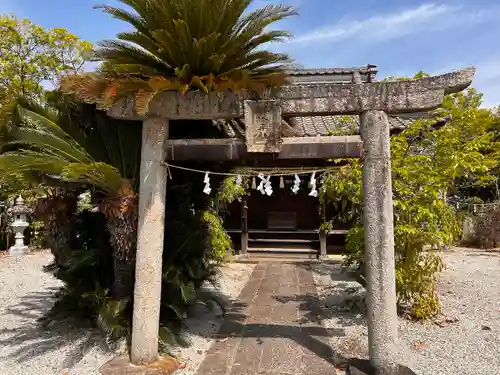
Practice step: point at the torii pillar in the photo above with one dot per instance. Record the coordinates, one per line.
(372, 101)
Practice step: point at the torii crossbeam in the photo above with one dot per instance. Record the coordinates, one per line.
(262, 114)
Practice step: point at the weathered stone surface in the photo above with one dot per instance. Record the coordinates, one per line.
(330, 98)
(125, 109)
(198, 105)
(379, 240)
(122, 366)
(147, 293)
(262, 126)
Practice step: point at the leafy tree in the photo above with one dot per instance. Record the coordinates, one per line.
(31, 55)
(45, 145)
(181, 45)
(427, 164)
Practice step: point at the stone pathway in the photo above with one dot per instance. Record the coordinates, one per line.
(273, 328)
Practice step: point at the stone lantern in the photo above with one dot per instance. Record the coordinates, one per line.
(19, 212)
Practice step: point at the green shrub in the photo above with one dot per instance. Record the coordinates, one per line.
(188, 262)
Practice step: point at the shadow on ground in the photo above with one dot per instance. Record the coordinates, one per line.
(277, 308)
(30, 339)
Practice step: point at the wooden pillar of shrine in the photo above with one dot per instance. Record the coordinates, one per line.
(244, 227)
(322, 233)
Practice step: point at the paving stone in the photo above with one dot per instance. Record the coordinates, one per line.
(283, 314)
(280, 355)
(249, 291)
(259, 314)
(264, 299)
(315, 343)
(247, 357)
(258, 331)
(307, 289)
(261, 267)
(306, 278)
(314, 365)
(230, 329)
(268, 287)
(287, 294)
(274, 269)
(219, 357)
(274, 328)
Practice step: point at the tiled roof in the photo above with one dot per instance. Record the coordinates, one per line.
(331, 75)
(311, 126)
(322, 71)
(328, 125)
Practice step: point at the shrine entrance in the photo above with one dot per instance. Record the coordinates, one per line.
(281, 226)
(353, 93)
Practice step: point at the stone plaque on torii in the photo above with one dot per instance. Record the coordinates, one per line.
(262, 114)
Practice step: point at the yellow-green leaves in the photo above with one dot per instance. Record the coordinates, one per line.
(31, 55)
(428, 162)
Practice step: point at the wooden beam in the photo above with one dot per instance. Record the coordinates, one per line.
(293, 148)
(244, 227)
(416, 95)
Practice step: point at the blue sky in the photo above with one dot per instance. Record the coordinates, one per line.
(400, 36)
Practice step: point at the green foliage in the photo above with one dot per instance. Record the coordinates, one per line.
(342, 191)
(217, 238)
(427, 164)
(229, 192)
(31, 54)
(84, 272)
(35, 145)
(85, 297)
(348, 126)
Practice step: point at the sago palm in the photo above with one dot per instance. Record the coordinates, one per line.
(183, 45)
(36, 143)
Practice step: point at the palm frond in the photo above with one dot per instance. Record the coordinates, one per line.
(31, 161)
(101, 175)
(36, 145)
(193, 44)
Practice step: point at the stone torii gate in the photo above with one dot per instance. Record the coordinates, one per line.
(372, 101)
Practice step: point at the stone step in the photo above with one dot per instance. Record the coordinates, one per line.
(282, 240)
(280, 255)
(282, 250)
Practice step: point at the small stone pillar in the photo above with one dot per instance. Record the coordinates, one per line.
(19, 225)
(150, 230)
(379, 242)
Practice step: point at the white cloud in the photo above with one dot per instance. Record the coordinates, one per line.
(397, 24)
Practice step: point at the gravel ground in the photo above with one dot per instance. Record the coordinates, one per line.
(464, 340)
(26, 293)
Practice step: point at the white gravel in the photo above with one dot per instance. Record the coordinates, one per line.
(26, 293)
(467, 339)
